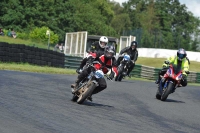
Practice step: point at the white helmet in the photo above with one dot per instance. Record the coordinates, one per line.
(103, 41)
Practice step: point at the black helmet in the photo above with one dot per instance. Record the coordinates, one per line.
(133, 43)
(109, 52)
(181, 54)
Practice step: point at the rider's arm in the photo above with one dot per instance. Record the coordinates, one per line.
(169, 61)
(123, 50)
(135, 56)
(188, 60)
(91, 57)
(185, 67)
(93, 47)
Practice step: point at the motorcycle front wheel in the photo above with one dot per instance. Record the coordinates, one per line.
(167, 91)
(74, 98)
(87, 92)
(119, 76)
(158, 96)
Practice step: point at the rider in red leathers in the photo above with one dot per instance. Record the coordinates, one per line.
(105, 62)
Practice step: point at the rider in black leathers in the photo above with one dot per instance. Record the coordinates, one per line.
(95, 47)
(132, 52)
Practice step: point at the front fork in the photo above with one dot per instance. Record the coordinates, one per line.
(164, 84)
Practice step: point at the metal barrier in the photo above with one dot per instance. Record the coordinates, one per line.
(72, 61)
(139, 71)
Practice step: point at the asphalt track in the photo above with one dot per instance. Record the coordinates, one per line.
(41, 103)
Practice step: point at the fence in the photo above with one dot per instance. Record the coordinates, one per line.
(140, 71)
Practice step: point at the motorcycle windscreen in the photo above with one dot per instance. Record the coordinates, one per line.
(176, 68)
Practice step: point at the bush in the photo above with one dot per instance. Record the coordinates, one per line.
(24, 36)
(40, 35)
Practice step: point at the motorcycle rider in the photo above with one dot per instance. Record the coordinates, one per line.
(181, 61)
(188, 60)
(95, 47)
(132, 52)
(105, 62)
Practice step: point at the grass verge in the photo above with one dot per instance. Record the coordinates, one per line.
(157, 63)
(25, 67)
(33, 68)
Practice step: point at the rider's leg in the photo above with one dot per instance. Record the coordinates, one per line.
(102, 85)
(184, 81)
(119, 60)
(132, 65)
(80, 77)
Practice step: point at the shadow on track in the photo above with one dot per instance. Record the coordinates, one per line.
(175, 101)
(125, 81)
(94, 104)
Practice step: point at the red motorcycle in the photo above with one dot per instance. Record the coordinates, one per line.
(169, 82)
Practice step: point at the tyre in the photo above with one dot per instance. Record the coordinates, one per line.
(119, 76)
(74, 98)
(158, 96)
(167, 91)
(87, 92)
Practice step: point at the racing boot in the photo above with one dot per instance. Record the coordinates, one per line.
(74, 86)
(90, 98)
(157, 81)
(78, 70)
(173, 90)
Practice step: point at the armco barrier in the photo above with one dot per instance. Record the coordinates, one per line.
(72, 61)
(136, 71)
(198, 78)
(139, 71)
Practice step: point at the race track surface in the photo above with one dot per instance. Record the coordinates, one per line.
(41, 103)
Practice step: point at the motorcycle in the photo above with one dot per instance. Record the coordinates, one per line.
(87, 86)
(169, 82)
(123, 68)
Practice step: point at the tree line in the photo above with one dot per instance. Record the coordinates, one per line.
(155, 23)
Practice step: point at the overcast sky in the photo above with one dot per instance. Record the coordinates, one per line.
(192, 5)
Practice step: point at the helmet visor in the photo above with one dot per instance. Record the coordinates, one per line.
(181, 56)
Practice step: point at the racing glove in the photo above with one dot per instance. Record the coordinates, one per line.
(166, 64)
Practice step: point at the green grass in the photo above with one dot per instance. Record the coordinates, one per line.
(25, 67)
(157, 63)
(26, 42)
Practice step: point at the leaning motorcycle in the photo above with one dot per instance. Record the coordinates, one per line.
(169, 82)
(87, 86)
(123, 68)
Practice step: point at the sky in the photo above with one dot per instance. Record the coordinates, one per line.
(192, 5)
